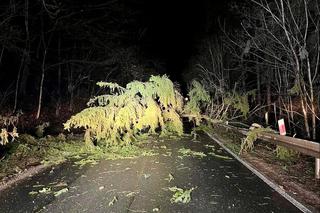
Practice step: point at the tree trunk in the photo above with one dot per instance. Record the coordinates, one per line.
(70, 88)
(1, 54)
(313, 113)
(24, 77)
(25, 56)
(41, 85)
(17, 85)
(269, 92)
(258, 87)
(58, 105)
(305, 116)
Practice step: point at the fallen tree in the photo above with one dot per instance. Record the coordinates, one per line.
(125, 113)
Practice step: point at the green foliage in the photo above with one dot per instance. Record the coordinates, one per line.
(40, 129)
(125, 113)
(295, 89)
(247, 144)
(84, 155)
(239, 102)
(45, 190)
(48, 190)
(54, 150)
(113, 86)
(285, 154)
(203, 128)
(60, 192)
(180, 195)
(173, 122)
(170, 178)
(188, 152)
(198, 98)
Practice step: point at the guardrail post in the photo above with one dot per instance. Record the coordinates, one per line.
(317, 171)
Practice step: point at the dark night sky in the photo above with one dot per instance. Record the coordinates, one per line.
(164, 31)
(174, 27)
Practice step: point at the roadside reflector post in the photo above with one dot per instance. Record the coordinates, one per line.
(317, 171)
(282, 127)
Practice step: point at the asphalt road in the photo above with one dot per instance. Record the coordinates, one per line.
(141, 185)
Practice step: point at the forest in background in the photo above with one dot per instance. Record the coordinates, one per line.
(52, 54)
(271, 62)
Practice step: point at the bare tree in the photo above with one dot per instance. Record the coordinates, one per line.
(281, 37)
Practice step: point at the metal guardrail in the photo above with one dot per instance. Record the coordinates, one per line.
(303, 146)
(306, 147)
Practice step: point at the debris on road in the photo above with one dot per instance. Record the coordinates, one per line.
(219, 156)
(170, 178)
(188, 152)
(113, 201)
(58, 193)
(45, 190)
(180, 195)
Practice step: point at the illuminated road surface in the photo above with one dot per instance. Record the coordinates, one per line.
(141, 185)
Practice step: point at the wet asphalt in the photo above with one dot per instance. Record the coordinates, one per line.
(222, 184)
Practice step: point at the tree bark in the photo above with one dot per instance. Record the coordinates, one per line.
(58, 105)
(41, 84)
(305, 116)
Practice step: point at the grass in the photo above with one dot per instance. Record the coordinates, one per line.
(286, 155)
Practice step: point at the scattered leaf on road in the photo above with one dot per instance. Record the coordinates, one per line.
(131, 194)
(188, 152)
(115, 199)
(210, 146)
(58, 193)
(37, 186)
(170, 178)
(45, 190)
(33, 193)
(146, 176)
(180, 195)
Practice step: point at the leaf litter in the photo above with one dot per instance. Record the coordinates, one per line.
(61, 191)
(45, 190)
(113, 201)
(180, 195)
(188, 152)
(169, 178)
